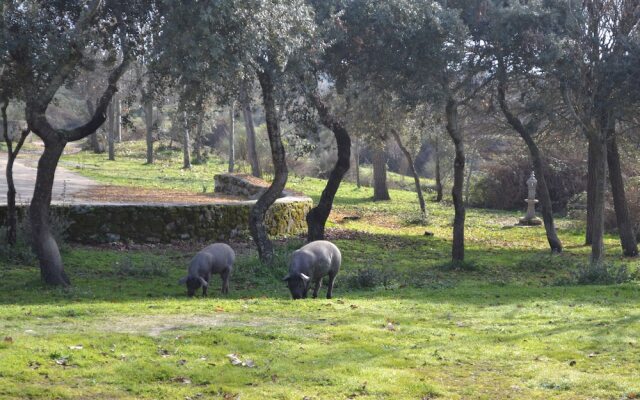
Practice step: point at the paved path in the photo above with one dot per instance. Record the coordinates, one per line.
(65, 186)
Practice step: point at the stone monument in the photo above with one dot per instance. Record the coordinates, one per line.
(530, 218)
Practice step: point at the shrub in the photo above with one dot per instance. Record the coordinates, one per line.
(601, 274)
(503, 185)
(368, 278)
(127, 267)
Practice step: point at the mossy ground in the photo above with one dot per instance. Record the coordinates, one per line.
(498, 327)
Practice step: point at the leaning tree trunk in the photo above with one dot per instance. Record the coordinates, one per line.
(12, 212)
(317, 217)
(538, 166)
(186, 154)
(438, 173)
(44, 244)
(148, 121)
(111, 131)
(457, 250)
(252, 154)
(623, 218)
(412, 168)
(232, 135)
(259, 210)
(380, 190)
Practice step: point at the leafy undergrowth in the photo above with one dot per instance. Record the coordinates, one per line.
(404, 323)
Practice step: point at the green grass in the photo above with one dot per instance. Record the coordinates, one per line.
(499, 327)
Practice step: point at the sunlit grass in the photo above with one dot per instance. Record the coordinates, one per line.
(502, 326)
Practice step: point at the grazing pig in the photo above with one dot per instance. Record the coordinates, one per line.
(216, 258)
(309, 264)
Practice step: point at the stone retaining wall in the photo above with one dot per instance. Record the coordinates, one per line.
(165, 223)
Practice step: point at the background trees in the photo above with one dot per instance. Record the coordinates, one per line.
(334, 70)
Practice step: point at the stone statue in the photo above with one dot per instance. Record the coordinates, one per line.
(530, 218)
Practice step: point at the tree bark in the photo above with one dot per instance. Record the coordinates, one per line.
(259, 210)
(539, 167)
(111, 131)
(317, 217)
(414, 173)
(437, 171)
(232, 134)
(12, 154)
(623, 218)
(186, 154)
(118, 118)
(148, 121)
(357, 162)
(197, 141)
(598, 186)
(252, 154)
(44, 244)
(380, 190)
(94, 141)
(591, 167)
(457, 250)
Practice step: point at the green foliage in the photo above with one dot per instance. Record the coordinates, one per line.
(602, 274)
(127, 267)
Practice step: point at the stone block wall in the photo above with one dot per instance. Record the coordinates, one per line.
(165, 223)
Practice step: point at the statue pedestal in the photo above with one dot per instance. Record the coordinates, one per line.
(530, 219)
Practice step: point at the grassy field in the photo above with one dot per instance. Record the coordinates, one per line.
(403, 324)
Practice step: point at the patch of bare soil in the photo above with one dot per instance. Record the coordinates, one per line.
(123, 194)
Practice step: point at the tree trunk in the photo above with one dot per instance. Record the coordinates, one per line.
(414, 173)
(186, 154)
(538, 166)
(12, 212)
(380, 190)
(197, 141)
(317, 217)
(111, 131)
(357, 162)
(597, 185)
(251, 139)
(232, 134)
(259, 210)
(44, 244)
(437, 171)
(94, 142)
(591, 167)
(623, 218)
(148, 121)
(118, 118)
(457, 251)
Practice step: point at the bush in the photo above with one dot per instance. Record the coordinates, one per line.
(602, 274)
(599, 274)
(368, 278)
(577, 206)
(503, 185)
(126, 267)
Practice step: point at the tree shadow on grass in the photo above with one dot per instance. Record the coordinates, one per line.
(414, 268)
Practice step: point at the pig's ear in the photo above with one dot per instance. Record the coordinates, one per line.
(182, 280)
(204, 283)
(286, 278)
(304, 278)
